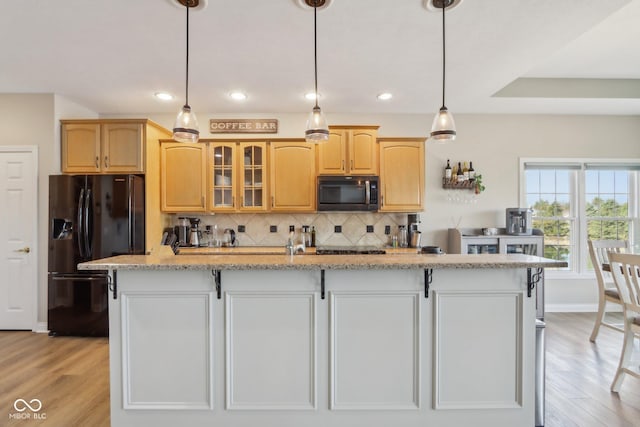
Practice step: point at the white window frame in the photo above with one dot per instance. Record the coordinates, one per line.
(578, 199)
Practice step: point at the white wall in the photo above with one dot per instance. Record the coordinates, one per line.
(493, 142)
(33, 119)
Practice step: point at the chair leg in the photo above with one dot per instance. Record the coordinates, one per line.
(602, 304)
(625, 356)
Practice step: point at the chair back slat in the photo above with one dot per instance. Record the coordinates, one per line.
(626, 273)
(598, 251)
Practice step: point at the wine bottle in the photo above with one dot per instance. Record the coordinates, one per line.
(460, 175)
(447, 171)
(465, 171)
(472, 172)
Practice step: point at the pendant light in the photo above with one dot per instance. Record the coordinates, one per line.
(443, 128)
(185, 128)
(317, 129)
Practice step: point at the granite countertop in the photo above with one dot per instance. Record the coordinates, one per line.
(401, 261)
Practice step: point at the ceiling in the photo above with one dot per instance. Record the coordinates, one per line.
(503, 56)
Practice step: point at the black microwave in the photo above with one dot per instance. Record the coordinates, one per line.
(348, 193)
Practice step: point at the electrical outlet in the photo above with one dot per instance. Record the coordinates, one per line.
(241, 229)
(273, 228)
(292, 228)
(369, 228)
(387, 229)
(337, 229)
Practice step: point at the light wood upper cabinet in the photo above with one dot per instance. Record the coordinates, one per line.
(401, 174)
(292, 176)
(122, 148)
(237, 180)
(109, 146)
(80, 148)
(252, 166)
(183, 177)
(350, 150)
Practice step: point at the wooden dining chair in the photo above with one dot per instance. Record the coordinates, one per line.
(625, 269)
(607, 292)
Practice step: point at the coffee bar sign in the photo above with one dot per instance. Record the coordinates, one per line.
(243, 126)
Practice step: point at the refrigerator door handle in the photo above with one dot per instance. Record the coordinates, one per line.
(130, 213)
(80, 219)
(78, 277)
(87, 231)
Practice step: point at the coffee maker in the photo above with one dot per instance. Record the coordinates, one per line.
(518, 221)
(196, 235)
(414, 234)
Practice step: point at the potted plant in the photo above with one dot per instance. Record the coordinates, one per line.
(479, 188)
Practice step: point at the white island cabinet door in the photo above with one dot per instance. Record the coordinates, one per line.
(167, 345)
(270, 334)
(374, 343)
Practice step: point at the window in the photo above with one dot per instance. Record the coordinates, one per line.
(574, 201)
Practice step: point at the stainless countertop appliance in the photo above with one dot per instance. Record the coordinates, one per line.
(348, 193)
(90, 217)
(518, 221)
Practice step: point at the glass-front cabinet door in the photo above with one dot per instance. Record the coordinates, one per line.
(222, 179)
(480, 245)
(529, 245)
(252, 164)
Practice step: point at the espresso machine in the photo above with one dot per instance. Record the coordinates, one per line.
(518, 221)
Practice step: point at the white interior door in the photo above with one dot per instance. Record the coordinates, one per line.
(18, 227)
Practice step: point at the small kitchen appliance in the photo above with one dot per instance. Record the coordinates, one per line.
(518, 221)
(414, 234)
(182, 230)
(348, 193)
(196, 235)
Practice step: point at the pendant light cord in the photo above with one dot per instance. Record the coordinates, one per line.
(187, 70)
(444, 6)
(315, 50)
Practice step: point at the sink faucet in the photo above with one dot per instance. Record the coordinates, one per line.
(291, 248)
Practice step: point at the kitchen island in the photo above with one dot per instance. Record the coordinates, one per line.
(322, 340)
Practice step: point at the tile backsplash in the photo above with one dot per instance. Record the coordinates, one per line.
(361, 228)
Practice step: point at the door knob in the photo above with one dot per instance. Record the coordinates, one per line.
(26, 250)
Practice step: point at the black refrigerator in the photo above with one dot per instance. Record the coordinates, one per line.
(90, 217)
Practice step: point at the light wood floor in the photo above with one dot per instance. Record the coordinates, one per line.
(579, 374)
(71, 377)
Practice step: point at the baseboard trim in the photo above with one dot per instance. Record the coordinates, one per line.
(41, 328)
(577, 308)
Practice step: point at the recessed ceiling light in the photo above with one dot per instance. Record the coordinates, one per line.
(385, 96)
(238, 96)
(311, 96)
(164, 96)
